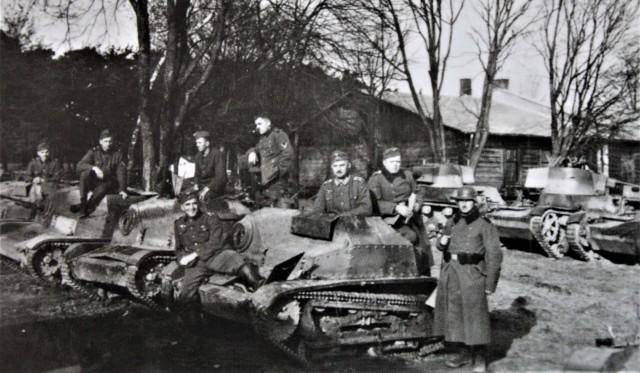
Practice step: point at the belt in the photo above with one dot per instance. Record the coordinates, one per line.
(463, 258)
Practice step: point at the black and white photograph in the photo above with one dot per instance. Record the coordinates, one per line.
(319, 186)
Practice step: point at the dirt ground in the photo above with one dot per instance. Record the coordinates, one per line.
(543, 311)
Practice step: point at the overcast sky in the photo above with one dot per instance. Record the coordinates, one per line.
(524, 69)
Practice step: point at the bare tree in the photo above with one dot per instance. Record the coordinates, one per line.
(433, 22)
(503, 22)
(579, 38)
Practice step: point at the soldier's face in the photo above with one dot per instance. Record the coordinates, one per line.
(202, 144)
(105, 143)
(392, 164)
(190, 207)
(340, 169)
(466, 205)
(262, 125)
(43, 154)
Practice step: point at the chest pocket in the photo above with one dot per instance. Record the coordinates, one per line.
(467, 239)
(268, 147)
(201, 234)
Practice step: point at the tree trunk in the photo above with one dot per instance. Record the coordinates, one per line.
(143, 124)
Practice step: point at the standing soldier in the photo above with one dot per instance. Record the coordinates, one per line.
(470, 271)
(102, 171)
(42, 170)
(275, 156)
(201, 248)
(395, 200)
(211, 172)
(343, 194)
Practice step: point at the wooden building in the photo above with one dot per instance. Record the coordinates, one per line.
(519, 137)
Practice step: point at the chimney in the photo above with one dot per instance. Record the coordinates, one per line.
(465, 87)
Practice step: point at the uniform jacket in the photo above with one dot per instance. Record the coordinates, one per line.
(211, 172)
(49, 170)
(462, 311)
(390, 190)
(351, 198)
(111, 163)
(202, 234)
(276, 155)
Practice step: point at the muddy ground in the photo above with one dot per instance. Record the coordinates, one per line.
(542, 312)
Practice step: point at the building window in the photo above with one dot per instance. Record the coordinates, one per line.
(465, 87)
(501, 83)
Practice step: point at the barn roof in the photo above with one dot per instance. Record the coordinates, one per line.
(510, 114)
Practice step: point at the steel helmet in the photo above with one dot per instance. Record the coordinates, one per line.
(465, 193)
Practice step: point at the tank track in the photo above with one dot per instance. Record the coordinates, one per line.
(77, 285)
(573, 236)
(279, 337)
(13, 265)
(535, 226)
(132, 277)
(34, 264)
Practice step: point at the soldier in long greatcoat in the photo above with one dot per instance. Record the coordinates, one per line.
(470, 271)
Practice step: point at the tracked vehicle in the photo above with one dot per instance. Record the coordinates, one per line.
(142, 245)
(38, 245)
(570, 200)
(15, 205)
(436, 183)
(332, 284)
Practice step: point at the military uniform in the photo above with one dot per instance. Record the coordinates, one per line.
(114, 169)
(391, 189)
(204, 235)
(347, 197)
(276, 159)
(211, 172)
(471, 265)
(48, 170)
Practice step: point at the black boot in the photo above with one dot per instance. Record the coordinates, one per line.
(479, 359)
(250, 276)
(463, 358)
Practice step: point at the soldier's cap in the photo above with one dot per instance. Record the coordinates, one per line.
(202, 135)
(187, 195)
(391, 152)
(43, 146)
(339, 155)
(105, 134)
(465, 193)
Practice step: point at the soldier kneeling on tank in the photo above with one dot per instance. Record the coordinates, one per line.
(201, 249)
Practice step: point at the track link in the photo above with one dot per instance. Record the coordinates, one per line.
(13, 265)
(286, 341)
(577, 242)
(136, 280)
(68, 280)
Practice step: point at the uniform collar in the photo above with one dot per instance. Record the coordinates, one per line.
(342, 181)
(390, 177)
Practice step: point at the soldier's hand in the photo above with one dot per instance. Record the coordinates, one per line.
(185, 260)
(253, 158)
(124, 194)
(403, 210)
(203, 193)
(488, 292)
(98, 172)
(444, 240)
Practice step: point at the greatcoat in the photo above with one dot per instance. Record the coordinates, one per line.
(462, 310)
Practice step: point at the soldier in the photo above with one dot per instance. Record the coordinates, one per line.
(211, 172)
(42, 170)
(395, 200)
(201, 250)
(102, 171)
(343, 194)
(470, 272)
(275, 156)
